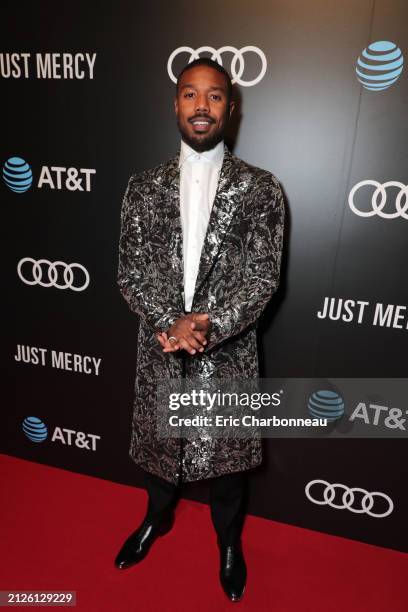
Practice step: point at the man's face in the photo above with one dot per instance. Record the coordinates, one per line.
(202, 108)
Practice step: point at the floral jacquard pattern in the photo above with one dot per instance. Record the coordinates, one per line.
(239, 272)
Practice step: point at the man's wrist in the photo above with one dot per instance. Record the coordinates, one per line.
(171, 329)
(167, 322)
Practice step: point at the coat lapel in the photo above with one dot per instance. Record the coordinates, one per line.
(171, 203)
(224, 207)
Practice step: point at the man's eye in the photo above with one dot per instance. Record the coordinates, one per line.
(216, 97)
(188, 94)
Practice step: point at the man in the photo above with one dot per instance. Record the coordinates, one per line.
(199, 258)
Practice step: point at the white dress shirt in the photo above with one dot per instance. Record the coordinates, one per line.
(199, 174)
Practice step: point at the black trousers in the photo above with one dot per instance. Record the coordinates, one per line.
(227, 502)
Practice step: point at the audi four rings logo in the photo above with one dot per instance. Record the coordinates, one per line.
(367, 501)
(379, 200)
(237, 62)
(56, 274)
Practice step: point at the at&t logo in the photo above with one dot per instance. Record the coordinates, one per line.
(327, 404)
(18, 176)
(36, 431)
(379, 65)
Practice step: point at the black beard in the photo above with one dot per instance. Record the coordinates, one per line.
(201, 144)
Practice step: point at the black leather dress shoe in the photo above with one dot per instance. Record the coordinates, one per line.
(233, 571)
(138, 543)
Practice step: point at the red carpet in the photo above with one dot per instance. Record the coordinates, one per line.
(61, 530)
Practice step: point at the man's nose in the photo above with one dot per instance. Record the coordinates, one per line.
(202, 103)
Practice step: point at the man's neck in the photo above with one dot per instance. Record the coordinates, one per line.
(214, 155)
(219, 144)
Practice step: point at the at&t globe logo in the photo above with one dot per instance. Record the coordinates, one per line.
(17, 174)
(326, 404)
(35, 429)
(379, 65)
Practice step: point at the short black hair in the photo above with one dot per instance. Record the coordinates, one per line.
(206, 61)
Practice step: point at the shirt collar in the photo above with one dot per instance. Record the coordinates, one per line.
(215, 155)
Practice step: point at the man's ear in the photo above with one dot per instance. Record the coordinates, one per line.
(231, 107)
(175, 105)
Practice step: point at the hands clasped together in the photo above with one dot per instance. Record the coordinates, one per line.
(188, 333)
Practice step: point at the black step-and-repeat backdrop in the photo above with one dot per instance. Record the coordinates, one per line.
(323, 101)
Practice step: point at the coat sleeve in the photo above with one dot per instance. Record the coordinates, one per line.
(263, 254)
(141, 282)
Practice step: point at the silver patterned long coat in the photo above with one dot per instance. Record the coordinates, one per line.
(238, 273)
